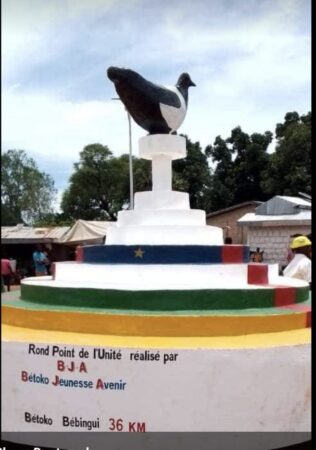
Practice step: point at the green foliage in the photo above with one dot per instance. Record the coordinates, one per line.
(240, 161)
(289, 168)
(192, 174)
(54, 220)
(99, 185)
(251, 160)
(221, 192)
(27, 194)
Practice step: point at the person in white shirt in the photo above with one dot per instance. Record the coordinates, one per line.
(301, 265)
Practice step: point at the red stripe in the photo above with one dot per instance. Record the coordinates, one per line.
(79, 254)
(308, 319)
(232, 253)
(284, 296)
(298, 307)
(302, 309)
(257, 273)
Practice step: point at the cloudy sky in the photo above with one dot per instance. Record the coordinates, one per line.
(250, 60)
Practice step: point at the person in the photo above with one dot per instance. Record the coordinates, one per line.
(78, 251)
(7, 273)
(257, 256)
(46, 252)
(301, 265)
(228, 240)
(40, 261)
(290, 253)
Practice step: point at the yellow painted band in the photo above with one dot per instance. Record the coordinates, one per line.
(265, 340)
(136, 325)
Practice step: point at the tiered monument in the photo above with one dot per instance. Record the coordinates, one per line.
(164, 328)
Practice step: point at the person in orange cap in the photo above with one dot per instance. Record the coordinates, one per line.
(301, 265)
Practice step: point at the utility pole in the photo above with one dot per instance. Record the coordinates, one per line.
(131, 183)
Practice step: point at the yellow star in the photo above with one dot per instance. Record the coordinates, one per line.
(139, 253)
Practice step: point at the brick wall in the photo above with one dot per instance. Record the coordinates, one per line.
(274, 241)
(229, 218)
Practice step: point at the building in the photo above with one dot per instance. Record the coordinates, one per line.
(19, 242)
(228, 220)
(269, 228)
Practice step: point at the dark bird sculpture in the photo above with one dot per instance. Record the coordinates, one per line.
(155, 108)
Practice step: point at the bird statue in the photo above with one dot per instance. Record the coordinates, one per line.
(155, 108)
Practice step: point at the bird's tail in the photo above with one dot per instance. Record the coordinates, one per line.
(117, 74)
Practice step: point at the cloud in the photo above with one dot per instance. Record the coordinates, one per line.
(251, 62)
(58, 130)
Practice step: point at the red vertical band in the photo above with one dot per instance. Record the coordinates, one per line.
(233, 253)
(284, 295)
(257, 273)
(79, 254)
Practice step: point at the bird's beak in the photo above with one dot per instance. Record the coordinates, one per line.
(192, 84)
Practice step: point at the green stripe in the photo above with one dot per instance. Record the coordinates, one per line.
(302, 294)
(165, 300)
(22, 304)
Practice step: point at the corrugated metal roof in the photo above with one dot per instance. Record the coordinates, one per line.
(281, 205)
(256, 219)
(296, 200)
(30, 234)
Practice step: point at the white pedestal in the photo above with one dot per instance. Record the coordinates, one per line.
(162, 149)
(163, 216)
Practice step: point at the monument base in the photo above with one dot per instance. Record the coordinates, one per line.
(74, 382)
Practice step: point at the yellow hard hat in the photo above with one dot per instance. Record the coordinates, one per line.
(300, 241)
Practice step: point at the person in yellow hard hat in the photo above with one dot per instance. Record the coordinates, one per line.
(301, 265)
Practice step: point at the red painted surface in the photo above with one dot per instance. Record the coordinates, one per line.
(284, 296)
(232, 253)
(79, 254)
(301, 308)
(257, 273)
(298, 307)
(308, 319)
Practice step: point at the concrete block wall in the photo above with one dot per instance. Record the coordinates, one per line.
(274, 241)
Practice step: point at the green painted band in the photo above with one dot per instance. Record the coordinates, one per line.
(162, 300)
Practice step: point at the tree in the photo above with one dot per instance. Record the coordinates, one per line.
(54, 219)
(99, 185)
(192, 174)
(250, 163)
(221, 191)
(289, 168)
(27, 194)
(240, 162)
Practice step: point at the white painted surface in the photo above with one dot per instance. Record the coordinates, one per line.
(165, 235)
(162, 144)
(161, 173)
(174, 116)
(299, 218)
(162, 149)
(162, 200)
(263, 389)
(151, 277)
(163, 217)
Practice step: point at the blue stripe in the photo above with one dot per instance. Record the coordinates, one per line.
(246, 253)
(156, 254)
